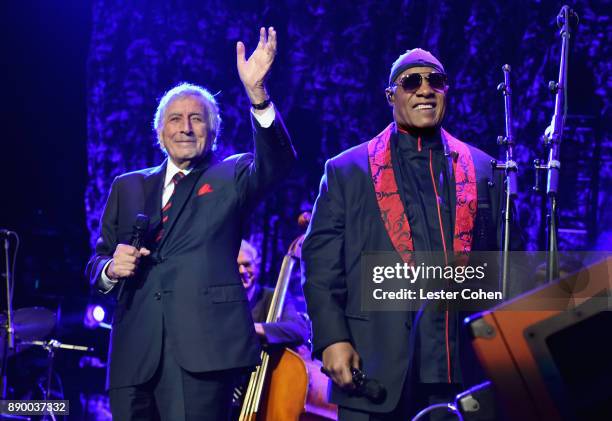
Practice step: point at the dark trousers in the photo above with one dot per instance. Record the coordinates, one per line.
(413, 400)
(174, 394)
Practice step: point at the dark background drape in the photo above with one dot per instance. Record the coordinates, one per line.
(328, 81)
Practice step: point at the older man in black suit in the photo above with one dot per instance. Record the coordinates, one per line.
(182, 330)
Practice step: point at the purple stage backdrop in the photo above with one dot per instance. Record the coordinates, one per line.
(328, 82)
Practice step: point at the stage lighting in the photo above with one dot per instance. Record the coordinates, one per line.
(98, 313)
(94, 316)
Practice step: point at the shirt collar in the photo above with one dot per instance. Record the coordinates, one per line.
(171, 170)
(413, 142)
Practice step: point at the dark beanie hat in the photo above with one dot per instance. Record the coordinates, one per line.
(416, 57)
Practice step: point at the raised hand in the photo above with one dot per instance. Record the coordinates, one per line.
(253, 71)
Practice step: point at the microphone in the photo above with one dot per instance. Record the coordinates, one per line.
(368, 388)
(138, 232)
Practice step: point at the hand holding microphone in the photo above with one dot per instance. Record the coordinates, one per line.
(125, 261)
(341, 364)
(338, 360)
(126, 257)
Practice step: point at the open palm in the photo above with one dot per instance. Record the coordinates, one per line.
(253, 71)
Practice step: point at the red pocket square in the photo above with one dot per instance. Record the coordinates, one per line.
(205, 189)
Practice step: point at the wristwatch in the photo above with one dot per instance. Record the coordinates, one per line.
(261, 105)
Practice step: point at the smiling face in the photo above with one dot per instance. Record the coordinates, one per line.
(184, 134)
(247, 267)
(419, 110)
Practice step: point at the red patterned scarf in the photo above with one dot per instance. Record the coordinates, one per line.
(390, 204)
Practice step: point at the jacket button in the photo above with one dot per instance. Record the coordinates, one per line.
(158, 296)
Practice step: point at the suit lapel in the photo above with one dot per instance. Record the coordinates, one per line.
(466, 202)
(153, 188)
(387, 194)
(450, 168)
(181, 194)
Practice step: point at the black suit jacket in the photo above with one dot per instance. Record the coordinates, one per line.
(190, 284)
(346, 221)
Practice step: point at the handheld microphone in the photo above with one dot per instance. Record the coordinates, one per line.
(137, 241)
(368, 388)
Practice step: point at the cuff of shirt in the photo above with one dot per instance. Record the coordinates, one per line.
(265, 119)
(107, 283)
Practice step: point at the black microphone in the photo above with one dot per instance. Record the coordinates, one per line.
(137, 241)
(368, 388)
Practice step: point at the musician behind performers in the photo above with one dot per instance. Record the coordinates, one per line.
(292, 331)
(294, 328)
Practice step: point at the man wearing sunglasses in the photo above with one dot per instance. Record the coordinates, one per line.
(413, 187)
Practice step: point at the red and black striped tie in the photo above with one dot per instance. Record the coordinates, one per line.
(166, 209)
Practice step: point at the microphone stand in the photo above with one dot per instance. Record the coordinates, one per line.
(510, 168)
(51, 346)
(9, 344)
(552, 139)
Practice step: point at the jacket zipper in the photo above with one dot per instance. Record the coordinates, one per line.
(446, 335)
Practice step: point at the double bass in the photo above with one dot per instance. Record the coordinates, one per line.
(286, 385)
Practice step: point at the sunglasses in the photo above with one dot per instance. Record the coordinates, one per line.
(413, 81)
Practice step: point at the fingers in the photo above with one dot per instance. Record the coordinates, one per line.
(267, 41)
(271, 39)
(125, 261)
(259, 329)
(338, 359)
(346, 377)
(240, 52)
(126, 249)
(341, 375)
(254, 69)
